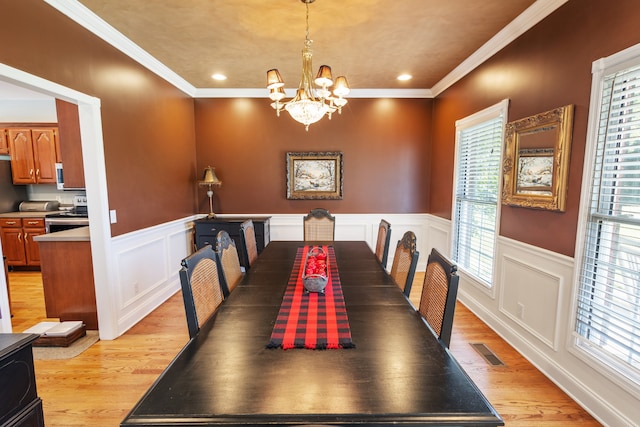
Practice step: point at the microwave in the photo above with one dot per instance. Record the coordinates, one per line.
(59, 177)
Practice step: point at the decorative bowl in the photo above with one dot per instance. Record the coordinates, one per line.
(314, 276)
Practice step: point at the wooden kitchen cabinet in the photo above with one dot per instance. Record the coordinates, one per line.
(34, 154)
(67, 279)
(70, 144)
(4, 145)
(17, 240)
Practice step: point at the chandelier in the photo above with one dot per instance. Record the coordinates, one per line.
(310, 103)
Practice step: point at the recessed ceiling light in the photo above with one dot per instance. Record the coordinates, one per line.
(404, 77)
(218, 77)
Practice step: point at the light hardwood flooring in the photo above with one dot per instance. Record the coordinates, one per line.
(100, 386)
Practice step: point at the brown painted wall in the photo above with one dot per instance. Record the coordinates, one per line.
(547, 67)
(148, 124)
(384, 143)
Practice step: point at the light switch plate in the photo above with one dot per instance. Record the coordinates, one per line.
(112, 216)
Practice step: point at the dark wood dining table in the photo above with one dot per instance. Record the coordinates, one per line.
(397, 374)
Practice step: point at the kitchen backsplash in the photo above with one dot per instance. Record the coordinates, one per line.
(50, 192)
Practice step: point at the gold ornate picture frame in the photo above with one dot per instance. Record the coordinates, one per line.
(535, 168)
(314, 175)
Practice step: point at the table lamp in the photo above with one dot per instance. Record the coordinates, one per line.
(210, 180)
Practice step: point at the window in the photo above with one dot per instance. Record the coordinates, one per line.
(479, 141)
(607, 323)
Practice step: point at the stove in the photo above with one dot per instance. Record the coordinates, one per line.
(76, 217)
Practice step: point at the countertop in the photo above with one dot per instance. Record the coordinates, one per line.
(31, 214)
(80, 234)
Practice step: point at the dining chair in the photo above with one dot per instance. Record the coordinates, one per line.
(405, 261)
(201, 289)
(248, 237)
(382, 244)
(319, 224)
(229, 262)
(439, 293)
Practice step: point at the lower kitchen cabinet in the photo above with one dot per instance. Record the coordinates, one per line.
(67, 278)
(207, 230)
(20, 405)
(17, 240)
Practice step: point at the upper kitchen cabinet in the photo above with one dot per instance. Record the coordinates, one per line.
(33, 154)
(70, 144)
(4, 145)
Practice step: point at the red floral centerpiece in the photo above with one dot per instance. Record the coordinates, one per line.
(314, 276)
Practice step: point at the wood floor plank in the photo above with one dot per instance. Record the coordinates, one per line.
(100, 386)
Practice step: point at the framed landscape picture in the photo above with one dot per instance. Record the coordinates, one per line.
(314, 175)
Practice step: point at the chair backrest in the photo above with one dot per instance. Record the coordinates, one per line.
(201, 289)
(229, 262)
(319, 224)
(248, 237)
(439, 293)
(382, 244)
(405, 261)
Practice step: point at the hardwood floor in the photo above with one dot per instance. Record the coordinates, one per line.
(100, 386)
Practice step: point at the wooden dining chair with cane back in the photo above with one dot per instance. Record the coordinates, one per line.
(319, 225)
(382, 244)
(201, 289)
(439, 293)
(229, 262)
(248, 237)
(405, 261)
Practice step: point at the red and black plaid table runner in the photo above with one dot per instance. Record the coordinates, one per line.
(312, 320)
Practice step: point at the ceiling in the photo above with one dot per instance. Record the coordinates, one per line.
(369, 41)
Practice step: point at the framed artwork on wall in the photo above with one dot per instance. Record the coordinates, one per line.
(536, 160)
(314, 175)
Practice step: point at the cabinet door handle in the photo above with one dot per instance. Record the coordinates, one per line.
(26, 235)
(10, 223)
(32, 222)
(30, 172)
(38, 172)
(19, 237)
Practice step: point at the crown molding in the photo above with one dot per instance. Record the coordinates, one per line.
(90, 21)
(290, 93)
(523, 23)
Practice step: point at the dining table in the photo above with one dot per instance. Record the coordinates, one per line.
(388, 368)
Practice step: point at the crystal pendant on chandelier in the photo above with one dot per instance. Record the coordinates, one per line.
(310, 104)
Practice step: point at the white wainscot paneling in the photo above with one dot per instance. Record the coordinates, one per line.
(361, 227)
(147, 264)
(530, 296)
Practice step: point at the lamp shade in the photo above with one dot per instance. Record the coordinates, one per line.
(341, 87)
(324, 78)
(274, 79)
(209, 177)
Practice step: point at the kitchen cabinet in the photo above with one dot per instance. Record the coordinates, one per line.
(70, 144)
(17, 240)
(207, 230)
(19, 401)
(67, 276)
(4, 145)
(34, 154)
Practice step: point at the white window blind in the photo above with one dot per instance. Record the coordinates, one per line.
(608, 310)
(476, 195)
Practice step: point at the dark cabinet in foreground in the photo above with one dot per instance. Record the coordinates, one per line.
(208, 228)
(19, 401)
